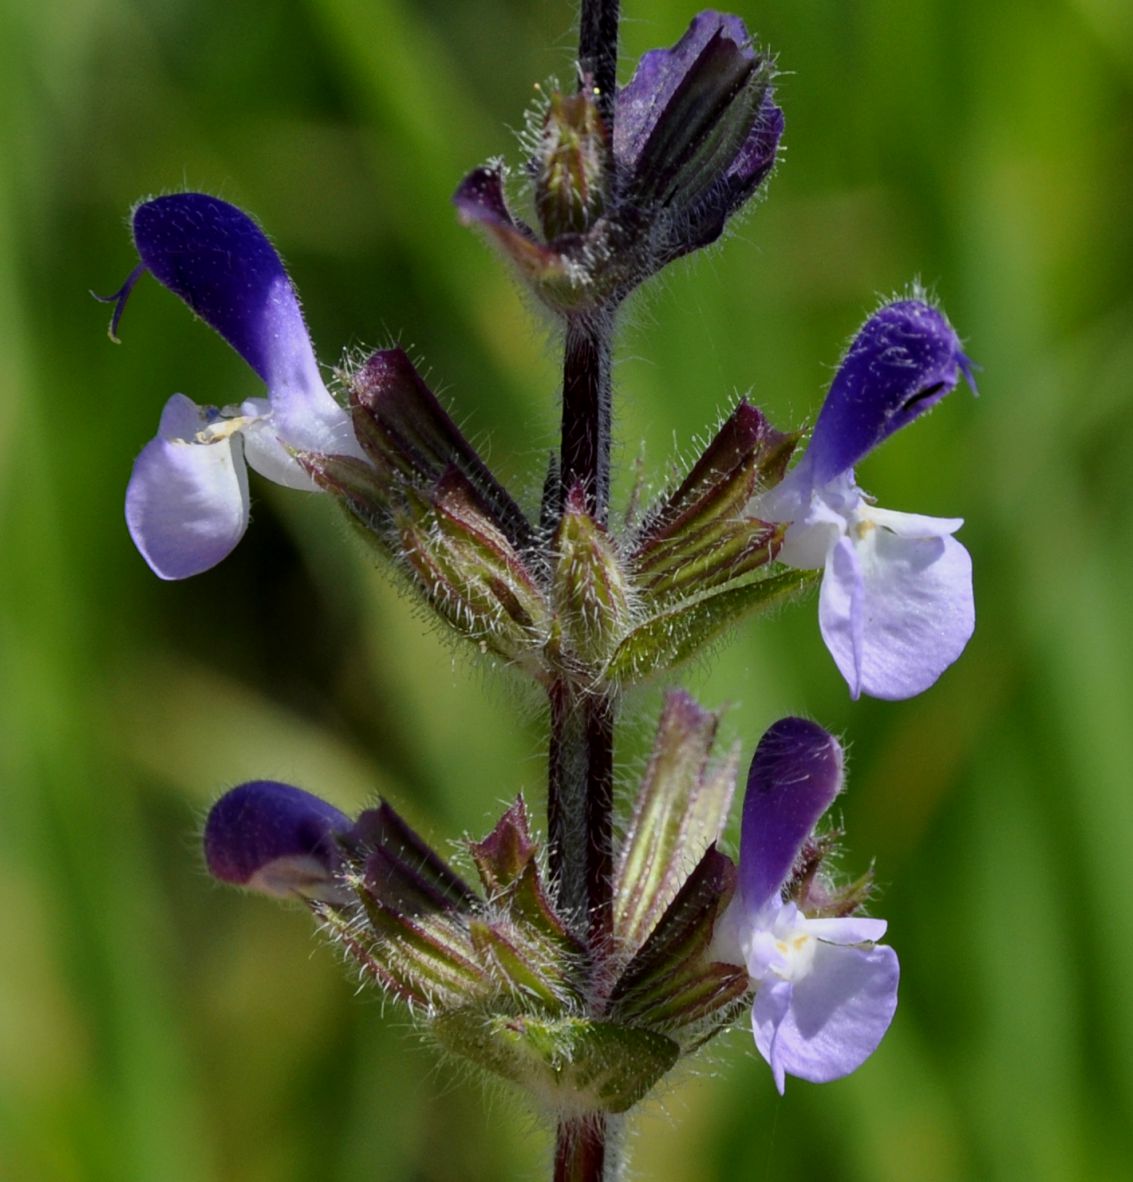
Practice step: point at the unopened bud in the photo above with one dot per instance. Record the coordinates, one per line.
(573, 165)
(470, 573)
(590, 586)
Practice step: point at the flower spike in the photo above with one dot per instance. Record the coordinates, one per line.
(825, 993)
(896, 606)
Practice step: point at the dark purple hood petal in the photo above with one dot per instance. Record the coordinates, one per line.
(221, 264)
(274, 838)
(795, 775)
(906, 358)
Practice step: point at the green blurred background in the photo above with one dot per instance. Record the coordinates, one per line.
(156, 1028)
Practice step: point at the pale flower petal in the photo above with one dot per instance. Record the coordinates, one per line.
(910, 525)
(266, 453)
(187, 502)
(896, 611)
(836, 1015)
(770, 1009)
(849, 929)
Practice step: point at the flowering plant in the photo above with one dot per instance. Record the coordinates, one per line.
(581, 966)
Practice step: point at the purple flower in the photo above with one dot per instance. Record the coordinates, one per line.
(277, 840)
(896, 605)
(187, 501)
(825, 992)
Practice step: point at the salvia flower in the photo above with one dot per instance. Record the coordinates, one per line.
(275, 839)
(696, 131)
(187, 501)
(896, 606)
(825, 992)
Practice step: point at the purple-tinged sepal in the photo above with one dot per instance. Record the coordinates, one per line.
(697, 131)
(698, 563)
(551, 268)
(508, 861)
(698, 537)
(896, 607)
(187, 501)
(426, 499)
(404, 429)
(825, 990)
(671, 882)
(278, 840)
(471, 575)
(673, 981)
(680, 808)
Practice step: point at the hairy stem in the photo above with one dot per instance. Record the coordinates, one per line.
(582, 1152)
(585, 452)
(580, 809)
(598, 52)
(581, 751)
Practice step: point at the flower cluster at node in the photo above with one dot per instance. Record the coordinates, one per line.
(696, 133)
(896, 602)
(825, 991)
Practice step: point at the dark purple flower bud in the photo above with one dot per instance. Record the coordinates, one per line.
(795, 775)
(905, 359)
(276, 839)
